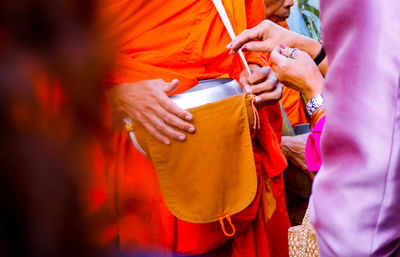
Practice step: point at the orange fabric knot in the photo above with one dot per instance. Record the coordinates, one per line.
(228, 218)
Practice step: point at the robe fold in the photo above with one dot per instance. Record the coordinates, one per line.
(186, 39)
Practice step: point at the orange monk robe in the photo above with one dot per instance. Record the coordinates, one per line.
(291, 99)
(185, 39)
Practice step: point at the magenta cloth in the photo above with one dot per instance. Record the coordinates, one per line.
(313, 152)
(356, 193)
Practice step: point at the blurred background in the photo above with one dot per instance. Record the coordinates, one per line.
(304, 18)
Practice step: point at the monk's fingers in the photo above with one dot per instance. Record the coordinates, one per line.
(171, 107)
(266, 86)
(169, 87)
(260, 75)
(155, 133)
(244, 79)
(162, 128)
(270, 97)
(173, 120)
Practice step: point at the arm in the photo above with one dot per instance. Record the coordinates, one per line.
(254, 15)
(270, 35)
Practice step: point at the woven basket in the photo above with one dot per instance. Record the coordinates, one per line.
(302, 239)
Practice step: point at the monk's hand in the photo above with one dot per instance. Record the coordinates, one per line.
(147, 103)
(293, 147)
(297, 71)
(263, 84)
(262, 38)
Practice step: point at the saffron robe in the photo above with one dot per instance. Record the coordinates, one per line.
(185, 39)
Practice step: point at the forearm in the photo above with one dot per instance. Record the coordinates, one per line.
(308, 45)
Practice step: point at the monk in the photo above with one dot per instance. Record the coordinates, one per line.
(165, 47)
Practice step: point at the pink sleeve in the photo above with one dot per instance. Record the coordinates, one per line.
(313, 152)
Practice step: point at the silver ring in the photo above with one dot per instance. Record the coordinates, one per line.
(292, 54)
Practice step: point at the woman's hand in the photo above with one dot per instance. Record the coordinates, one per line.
(146, 102)
(267, 35)
(298, 72)
(262, 38)
(263, 84)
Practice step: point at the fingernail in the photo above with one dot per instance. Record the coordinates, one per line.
(188, 117)
(167, 142)
(181, 137)
(258, 99)
(248, 90)
(244, 49)
(191, 129)
(283, 46)
(229, 45)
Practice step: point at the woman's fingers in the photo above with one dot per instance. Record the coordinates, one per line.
(254, 39)
(288, 52)
(243, 38)
(277, 57)
(297, 70)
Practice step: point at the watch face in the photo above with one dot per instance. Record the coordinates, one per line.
(314, 103)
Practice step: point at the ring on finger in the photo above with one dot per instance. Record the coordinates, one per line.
(293, 53)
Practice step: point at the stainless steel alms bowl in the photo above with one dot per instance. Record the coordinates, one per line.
(207, 91)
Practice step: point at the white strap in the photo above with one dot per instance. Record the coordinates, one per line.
(224, 17)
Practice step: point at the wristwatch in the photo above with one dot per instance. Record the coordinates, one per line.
(314, 103)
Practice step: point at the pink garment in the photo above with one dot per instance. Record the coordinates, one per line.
(355, 203)
(313, 152)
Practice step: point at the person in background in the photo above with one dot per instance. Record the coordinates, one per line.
(282, 13)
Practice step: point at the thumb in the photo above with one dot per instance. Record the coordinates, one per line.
(286, 51)
(277, 56)
(170, 87)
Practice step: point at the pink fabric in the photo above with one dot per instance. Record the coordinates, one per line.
(313, 152)
(355, 203)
